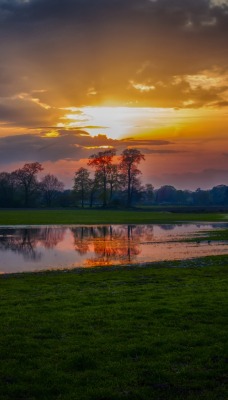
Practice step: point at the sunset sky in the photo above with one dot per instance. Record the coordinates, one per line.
(79, 76)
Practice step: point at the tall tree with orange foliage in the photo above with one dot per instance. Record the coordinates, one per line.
(102, 162)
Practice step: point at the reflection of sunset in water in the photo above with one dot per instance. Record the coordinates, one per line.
(107, 252)
(65, 247)
(110, 244)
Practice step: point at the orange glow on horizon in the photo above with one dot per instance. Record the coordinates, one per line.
(143, 122)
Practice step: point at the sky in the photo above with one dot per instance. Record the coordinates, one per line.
(79, 76)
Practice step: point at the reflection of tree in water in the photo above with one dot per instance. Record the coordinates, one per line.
(25, 240)
(21, 241)
(51, 236)
(81, 243)
(111, 243)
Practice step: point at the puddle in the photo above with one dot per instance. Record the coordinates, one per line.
(24, 249)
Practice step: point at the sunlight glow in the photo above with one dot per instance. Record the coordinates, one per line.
(51, 134)
(134, 122)
(98, 147)
(115, 122)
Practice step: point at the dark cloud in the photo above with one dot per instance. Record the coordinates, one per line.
(138, 142)
(26, 112)
(219, 104)
(159, 151)
(69, 145)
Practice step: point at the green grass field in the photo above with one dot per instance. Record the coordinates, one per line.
(122, 333)
(39, 217)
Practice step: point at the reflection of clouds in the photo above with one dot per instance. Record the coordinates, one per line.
(25, 241)
(73, 144)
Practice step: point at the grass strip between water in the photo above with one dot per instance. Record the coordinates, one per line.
(89, 217)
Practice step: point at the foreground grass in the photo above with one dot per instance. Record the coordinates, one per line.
(39, 217)
(136, 333)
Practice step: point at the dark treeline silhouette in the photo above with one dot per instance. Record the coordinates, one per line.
(114, 182)
(169, 195)
(22, 188)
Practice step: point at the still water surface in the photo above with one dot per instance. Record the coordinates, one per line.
(62, 247)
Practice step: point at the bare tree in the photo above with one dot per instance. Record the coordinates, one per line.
(81, 184)
(50, 186)
(26, 178)
(95, 186)
(114, 180)
(129, 160)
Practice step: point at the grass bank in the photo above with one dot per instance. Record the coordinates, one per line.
(123, 333)
(39, 217)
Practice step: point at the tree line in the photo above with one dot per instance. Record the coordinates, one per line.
(111, 178)
(114, 182)
(21, 188)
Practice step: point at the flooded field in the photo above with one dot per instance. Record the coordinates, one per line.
(24, 248)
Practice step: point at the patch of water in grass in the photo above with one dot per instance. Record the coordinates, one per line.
(36, 248)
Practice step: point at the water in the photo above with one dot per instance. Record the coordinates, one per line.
(39, 248)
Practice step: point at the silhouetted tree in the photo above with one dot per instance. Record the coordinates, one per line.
(81, 184)
(50, 186)
(136, 189)
(148, 193)
(66, 198)
(202, 197)
(26, 177)
(219, 194)
(7, 189)
(166, 194)
(95, 187)
(129, 160)
(115, 180)
(102, 162)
